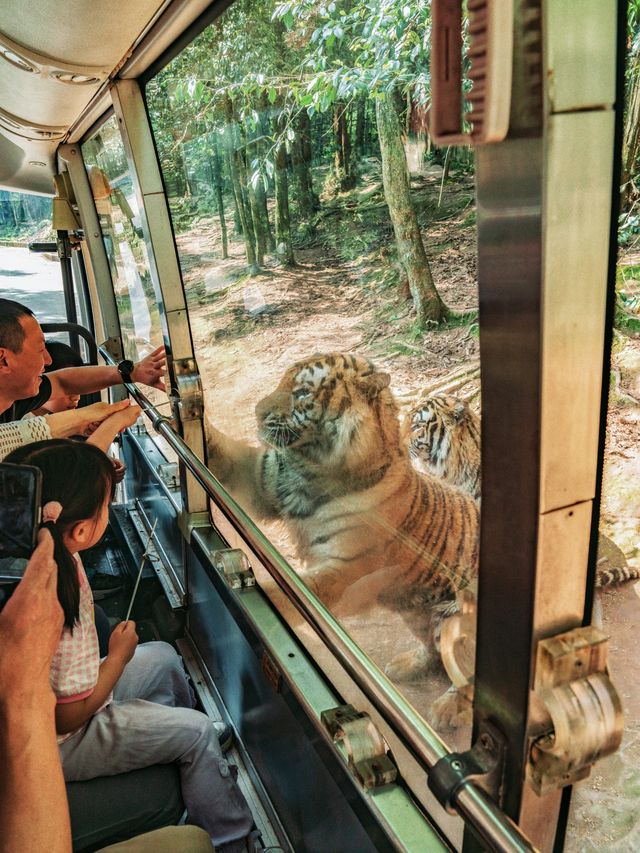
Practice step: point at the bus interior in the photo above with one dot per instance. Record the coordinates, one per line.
(429, 189)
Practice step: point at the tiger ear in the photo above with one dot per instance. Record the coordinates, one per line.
(373, 384)
(458, 411)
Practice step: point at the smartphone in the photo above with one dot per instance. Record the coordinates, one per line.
(20, 490)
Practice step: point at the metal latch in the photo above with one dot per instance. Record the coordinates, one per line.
(233, 565)
(365, 747)
(584, 712)
(169, 473)
(139, 427)
(483, 765)
(190, 399)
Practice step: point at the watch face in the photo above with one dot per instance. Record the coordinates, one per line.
(125, 367)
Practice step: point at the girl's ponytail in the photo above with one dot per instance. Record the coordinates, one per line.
(68, 583)
(77, 479)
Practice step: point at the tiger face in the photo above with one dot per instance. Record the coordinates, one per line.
(444, 441)
(323, 405)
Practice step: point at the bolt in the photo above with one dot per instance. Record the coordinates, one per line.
(456, 765)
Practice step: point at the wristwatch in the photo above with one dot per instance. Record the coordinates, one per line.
(125, 369)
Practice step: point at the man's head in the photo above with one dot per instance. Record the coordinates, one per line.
(23, 355)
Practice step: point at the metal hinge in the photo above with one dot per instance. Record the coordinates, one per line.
(233, 565)
(584, 719)
(483, 765)
(365, 747)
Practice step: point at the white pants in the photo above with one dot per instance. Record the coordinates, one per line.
(151, 721)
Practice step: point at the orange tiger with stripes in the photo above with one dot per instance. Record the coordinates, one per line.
(335, 470)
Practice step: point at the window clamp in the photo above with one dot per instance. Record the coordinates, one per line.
(483, 765)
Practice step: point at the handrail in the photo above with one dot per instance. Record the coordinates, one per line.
(494, 828)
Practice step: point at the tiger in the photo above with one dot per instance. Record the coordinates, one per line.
(444, 441)
(443, 436)
(332, 466)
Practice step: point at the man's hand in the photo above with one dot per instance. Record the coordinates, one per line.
(30, 629)
(150, 371)
(123, 642)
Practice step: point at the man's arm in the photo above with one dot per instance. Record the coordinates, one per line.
(86, 380)
(33, 799)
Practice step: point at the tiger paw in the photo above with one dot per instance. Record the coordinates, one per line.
(412, 665)
(452, 710)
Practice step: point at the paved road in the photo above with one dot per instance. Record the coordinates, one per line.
(34, 280)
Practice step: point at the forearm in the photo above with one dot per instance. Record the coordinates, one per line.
(72, 715)
(83, 380)
(17, 433)
(33, 802)
(104, 435)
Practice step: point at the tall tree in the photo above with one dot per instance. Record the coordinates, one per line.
(284, 245)
(428, 305)
(216, 170)
(374, 48)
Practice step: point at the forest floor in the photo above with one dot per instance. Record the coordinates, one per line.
(345, 295)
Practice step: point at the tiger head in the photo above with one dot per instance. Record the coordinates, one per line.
(328, 408)
(438, 426)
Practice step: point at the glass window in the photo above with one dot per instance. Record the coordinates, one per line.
(31, 278)
(121, 226)
(319, 318)
(604, 814)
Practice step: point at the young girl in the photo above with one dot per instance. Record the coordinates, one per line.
(135, 708)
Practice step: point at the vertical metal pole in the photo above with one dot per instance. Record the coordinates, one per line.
(133, 121)
(544, 209)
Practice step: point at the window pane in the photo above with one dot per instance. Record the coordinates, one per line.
(33, 279)
(284, 227)
(604, 813)
(121, 227)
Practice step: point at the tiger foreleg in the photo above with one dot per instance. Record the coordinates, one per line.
(425, 623)
(327, 582)
(237, 465)
(414, 664)
(454, 709)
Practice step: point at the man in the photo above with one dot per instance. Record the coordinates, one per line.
(33, 803)
(23, 358)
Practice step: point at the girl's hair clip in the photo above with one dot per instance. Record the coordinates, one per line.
(51, 511)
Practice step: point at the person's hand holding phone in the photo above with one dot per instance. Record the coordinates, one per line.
(30, 628)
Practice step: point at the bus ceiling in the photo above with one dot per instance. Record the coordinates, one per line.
(56, 64)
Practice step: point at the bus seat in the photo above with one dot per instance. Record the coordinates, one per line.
(113, 808)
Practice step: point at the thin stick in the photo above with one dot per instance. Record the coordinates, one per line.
(142, 562)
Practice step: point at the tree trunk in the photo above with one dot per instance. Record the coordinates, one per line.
(427, 303)
(343, 161)
(239, 191)
(216, 168)
(255, 206)
(300, 160)
(284, 246)
(631, 136)
(361, 107)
